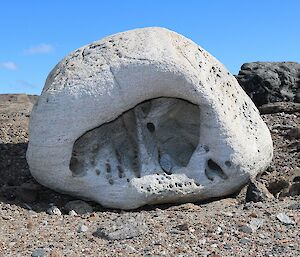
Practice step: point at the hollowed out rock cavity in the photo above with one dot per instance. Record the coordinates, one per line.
(156, 136)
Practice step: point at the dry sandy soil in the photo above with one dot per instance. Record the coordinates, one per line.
(35, 221)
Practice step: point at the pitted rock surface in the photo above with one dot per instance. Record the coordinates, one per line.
(269, 82)
(144, 117)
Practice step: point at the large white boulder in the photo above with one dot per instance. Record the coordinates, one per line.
(144, 117)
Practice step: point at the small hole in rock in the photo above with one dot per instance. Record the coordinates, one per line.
(206, 148)
(214, 170)
(108, 168)
(228, 163)
(150, 127)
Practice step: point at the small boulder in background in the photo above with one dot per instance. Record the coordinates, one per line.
(269, 82)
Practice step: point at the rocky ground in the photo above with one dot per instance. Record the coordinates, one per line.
(35, 221)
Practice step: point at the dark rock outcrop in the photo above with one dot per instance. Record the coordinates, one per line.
(269, 82)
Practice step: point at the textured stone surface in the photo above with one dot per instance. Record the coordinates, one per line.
(145, 117)
(267, 82)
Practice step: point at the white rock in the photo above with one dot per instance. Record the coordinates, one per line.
(73, 213)
(283, 218)
(53, 210)
(197, 136)
(82, 228)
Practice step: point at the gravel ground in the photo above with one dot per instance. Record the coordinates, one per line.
(36, 221)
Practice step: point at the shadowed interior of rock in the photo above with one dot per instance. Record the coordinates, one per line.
(156, 136)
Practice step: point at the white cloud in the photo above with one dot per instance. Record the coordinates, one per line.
(39, 49)
(9, 65)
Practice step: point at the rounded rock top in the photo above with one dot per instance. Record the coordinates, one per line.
(144, 117)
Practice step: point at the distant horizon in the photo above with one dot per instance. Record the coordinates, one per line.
(39, 34)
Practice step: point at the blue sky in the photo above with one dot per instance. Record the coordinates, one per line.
(35, 35)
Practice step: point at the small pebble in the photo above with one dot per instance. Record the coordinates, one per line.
(82, 228)
(219, 230)
(277, 235)
(73, 213)
(38, 253)
(227, 246)
(53, 210)
(244, 241)
(295, 206)
(202, 241)
(283, 218)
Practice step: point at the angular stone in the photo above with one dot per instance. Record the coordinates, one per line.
(53, 210)
(254, 225)
(257, 192)
(38, 253)
(145, 117)
(283, 218)
(82, 228)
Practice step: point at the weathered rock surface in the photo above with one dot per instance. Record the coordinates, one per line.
(145, 117)
(268, 82)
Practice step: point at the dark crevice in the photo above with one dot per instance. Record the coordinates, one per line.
(214, 170)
